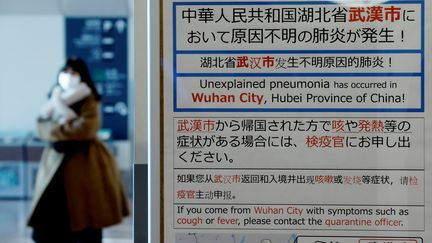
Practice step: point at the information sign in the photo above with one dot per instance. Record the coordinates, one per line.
(102, 43)
(295, 121)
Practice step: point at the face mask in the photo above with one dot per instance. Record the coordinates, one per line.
(68, 81)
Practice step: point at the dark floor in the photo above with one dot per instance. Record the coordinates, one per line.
(13, 215)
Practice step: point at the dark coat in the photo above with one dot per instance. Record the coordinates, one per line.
(93, 188)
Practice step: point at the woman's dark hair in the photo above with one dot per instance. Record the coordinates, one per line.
(78, 65)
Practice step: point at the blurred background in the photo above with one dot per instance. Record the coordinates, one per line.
(35, 39)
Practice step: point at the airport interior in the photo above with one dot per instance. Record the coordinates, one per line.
(36, 38)
(215, 121)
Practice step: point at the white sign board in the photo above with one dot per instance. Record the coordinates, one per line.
(295, 121)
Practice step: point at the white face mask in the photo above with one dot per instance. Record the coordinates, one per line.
(68, 81)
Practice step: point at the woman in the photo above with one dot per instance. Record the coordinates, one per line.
(78, 187)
